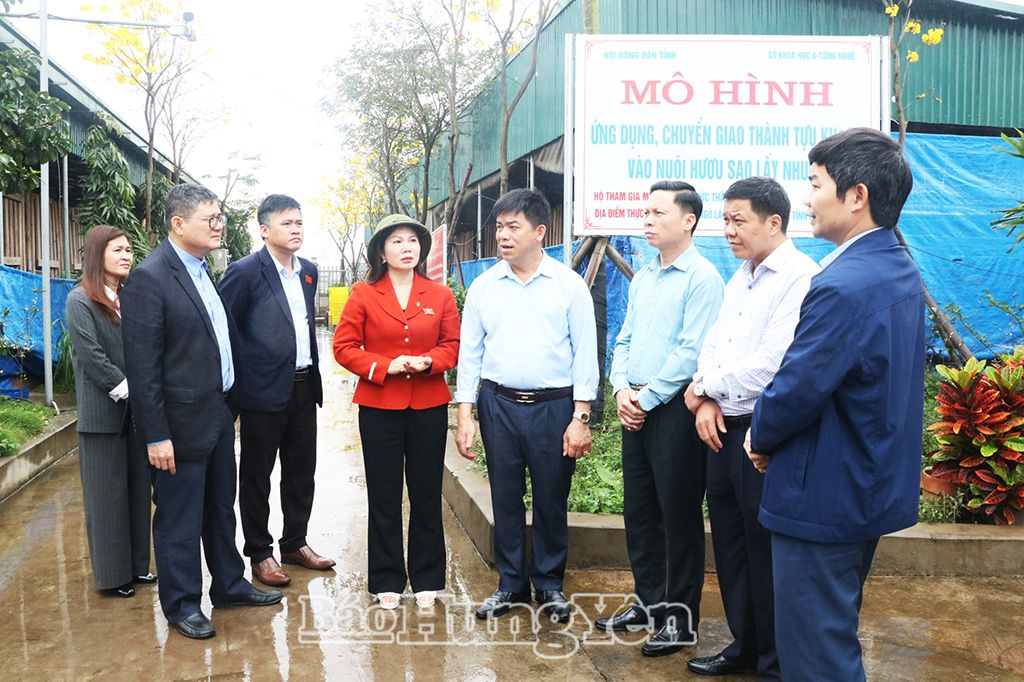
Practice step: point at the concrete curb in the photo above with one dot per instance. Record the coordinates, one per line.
(599, 540)
(39, 453)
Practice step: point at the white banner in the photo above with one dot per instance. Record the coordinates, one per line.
(711, 110)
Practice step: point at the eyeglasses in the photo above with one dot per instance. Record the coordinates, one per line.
(213, 221)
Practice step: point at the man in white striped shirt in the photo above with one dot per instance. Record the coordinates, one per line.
(741, 353)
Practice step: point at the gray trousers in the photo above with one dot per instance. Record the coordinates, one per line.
(116, 497)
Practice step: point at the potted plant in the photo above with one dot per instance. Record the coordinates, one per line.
(981, 435)
(931, 486)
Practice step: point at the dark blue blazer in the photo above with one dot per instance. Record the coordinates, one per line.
(253, 294)
(842, 419)
(172, 359)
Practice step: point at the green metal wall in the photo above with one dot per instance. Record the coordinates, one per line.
(78, 127)
(977, 71)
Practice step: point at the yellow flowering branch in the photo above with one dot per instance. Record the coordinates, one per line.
(901, 60)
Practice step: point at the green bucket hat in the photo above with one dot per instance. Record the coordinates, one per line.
(388, 223)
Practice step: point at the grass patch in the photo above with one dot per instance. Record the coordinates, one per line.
(19, 421)
(939, 508)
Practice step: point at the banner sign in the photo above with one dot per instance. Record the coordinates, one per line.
(437, 259)
(711, 110)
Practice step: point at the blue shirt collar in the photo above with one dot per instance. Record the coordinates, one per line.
(192, 264)
(546, 268)
(282, 270)
(682, 261)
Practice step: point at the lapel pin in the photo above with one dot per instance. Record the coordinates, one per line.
(309, 280)
(428, 311)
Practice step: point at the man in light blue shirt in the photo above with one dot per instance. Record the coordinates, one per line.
(529, 343)
(673, 301)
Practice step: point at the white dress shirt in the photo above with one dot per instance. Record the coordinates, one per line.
(744, 347)
(292, 285)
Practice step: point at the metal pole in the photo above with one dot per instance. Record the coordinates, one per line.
(44, 219)
(567, 143)
(533, 173)
(479, 223)
(67, 217)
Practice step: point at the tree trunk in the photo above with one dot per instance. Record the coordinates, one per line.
(149, 189)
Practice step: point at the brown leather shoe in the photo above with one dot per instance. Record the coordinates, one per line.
(269, 572)
(308, 558)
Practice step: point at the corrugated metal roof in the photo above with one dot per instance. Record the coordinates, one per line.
(83, 102)
(976, 72)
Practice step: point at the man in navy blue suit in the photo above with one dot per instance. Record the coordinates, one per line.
(270, 296)
(838, 431)
(181, 365)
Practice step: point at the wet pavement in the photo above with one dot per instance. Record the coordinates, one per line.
(56, 626)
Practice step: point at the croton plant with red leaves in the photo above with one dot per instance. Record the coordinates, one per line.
(981, 436)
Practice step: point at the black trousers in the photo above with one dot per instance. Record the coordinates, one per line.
(293, 433)
(663, 472)
(413, 442)
(518, 437)
(198, 503)
(743, 552)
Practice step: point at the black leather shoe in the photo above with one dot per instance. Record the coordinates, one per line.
(196, 626)
(668, 640)
(555, 605)
(149, 578)
(499, 603)
(123, 591)
(633, 619)
(254, 598)
(718, 665)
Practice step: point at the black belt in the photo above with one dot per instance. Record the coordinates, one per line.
(302, 374)
(525, 396)
(739, 420)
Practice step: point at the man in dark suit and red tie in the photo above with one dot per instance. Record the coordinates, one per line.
(270, 297)
(181, 365)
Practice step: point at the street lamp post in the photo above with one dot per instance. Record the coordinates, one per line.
(187, 31)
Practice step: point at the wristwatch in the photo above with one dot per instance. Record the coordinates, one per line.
(582, 416)
(698, 388)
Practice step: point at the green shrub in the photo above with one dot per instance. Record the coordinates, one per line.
(63, 372)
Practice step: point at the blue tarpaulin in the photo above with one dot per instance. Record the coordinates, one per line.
(21, 312)
(959, 183)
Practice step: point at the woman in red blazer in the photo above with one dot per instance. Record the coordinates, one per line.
(399, 332)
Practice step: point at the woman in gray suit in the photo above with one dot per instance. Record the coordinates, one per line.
(115, 478)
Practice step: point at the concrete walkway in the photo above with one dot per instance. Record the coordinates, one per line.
(56, 626)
